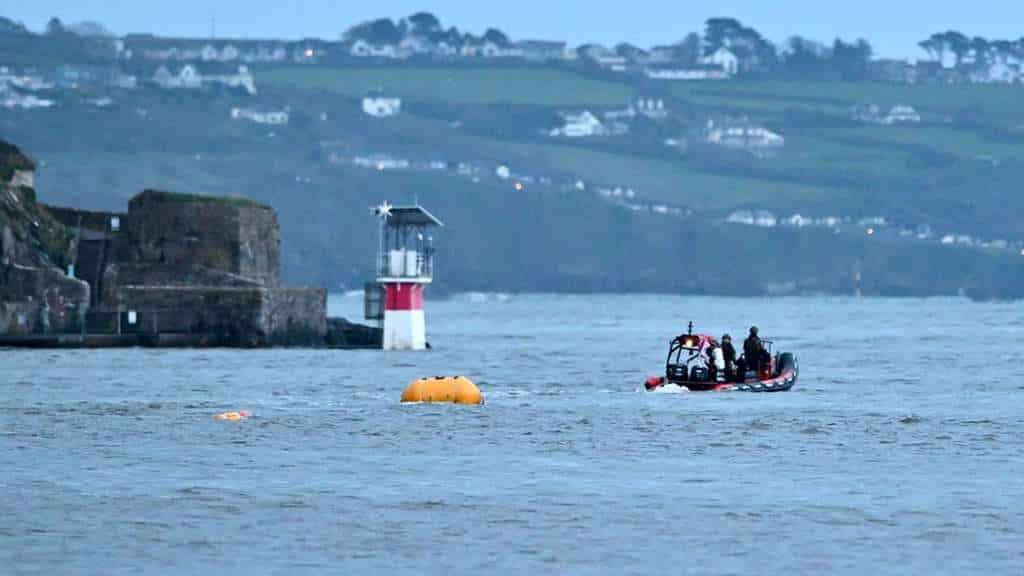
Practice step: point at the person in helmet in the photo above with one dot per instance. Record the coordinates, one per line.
(753, 351)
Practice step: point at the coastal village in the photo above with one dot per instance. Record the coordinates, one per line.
(662, 112)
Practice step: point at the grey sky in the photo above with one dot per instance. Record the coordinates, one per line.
(893, 26)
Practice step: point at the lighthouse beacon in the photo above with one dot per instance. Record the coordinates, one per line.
(405, 265)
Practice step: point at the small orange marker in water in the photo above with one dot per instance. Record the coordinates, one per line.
(240, 415)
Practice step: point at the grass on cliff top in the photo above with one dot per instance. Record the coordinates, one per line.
(541, 87)
(222, 200)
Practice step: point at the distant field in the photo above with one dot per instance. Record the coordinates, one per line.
(673, 182)
(944, 140)
(997, 101)
(458, 85)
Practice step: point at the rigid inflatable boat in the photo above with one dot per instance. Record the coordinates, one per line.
(695, 363)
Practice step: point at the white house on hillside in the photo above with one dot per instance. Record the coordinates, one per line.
(704, 72)
(743, 136)
(209, 53)
(541, 50)
(724, 59)
(363, 49)
(12, 99)
(382, 106)
(187, 77)
(903, 114)
(580, 125)
(190, 78)
(229, 53)
(274, 118)
(483, 50)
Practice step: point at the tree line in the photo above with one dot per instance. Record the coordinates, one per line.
(978, 49)
(425, 25)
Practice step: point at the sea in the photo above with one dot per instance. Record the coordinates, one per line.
(899, 451)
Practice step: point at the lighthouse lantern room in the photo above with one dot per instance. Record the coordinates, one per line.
(405, 265)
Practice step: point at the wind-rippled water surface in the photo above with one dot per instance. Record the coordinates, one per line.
(899, 450)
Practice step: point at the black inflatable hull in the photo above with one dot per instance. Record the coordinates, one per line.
(789, 371)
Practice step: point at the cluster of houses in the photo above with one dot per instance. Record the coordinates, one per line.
(419, 46)
(18, 90)
(189, 77)
(30, 89)
(661, 62)
(151, 48)
(869, 226)
(657, 63)
(147, 47)
(586, 124)
(766, 219)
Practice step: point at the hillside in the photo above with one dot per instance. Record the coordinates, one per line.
(650, 202)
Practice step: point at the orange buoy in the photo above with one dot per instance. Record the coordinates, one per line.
(454, 389)
(240, 415)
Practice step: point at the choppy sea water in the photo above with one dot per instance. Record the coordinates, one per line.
(899, 451)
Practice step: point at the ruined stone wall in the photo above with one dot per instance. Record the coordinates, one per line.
(227, 316)
(41, 300)
(174, 264)
(179, 231)
(259, 238)
(117, 276)
(295, 316)
(87, 219)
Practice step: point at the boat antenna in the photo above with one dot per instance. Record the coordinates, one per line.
(690, 328)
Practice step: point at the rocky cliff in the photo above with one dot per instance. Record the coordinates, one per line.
(35, 294)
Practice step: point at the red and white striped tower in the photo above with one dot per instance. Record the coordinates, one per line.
(405, 265)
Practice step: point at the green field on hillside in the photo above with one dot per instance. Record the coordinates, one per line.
(541, 87)
(994, 101)
(673, 182)
(945, 140)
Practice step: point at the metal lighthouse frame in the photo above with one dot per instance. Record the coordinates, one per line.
(405, 265)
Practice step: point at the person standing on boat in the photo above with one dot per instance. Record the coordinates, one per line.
(753, 351)
(730, 357)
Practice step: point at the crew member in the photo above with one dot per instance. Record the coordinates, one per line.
(730, 357)
(716, 362)
(754, 352)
